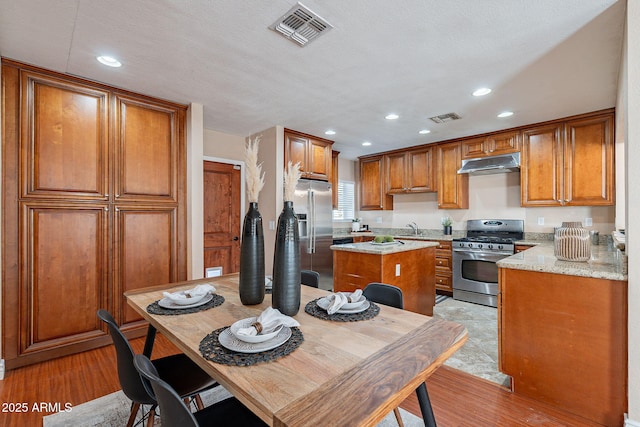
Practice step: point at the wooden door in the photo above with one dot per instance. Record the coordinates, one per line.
(222, 216)
(541, 177)
(453, 188)
(589, 161)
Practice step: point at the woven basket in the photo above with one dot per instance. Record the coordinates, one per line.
(571, 242)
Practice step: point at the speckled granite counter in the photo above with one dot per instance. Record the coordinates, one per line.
(383, 249)
(605, 263)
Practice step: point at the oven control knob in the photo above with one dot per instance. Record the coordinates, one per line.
(480, 246)
(490, 246)
(470, 245)
(500, 247)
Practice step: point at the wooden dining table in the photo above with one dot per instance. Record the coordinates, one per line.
(343, 374)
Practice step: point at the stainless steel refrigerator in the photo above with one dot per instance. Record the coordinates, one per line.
(312, 205)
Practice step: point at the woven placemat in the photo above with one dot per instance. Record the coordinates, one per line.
(313, 309)
(212, 350)
(154, 308)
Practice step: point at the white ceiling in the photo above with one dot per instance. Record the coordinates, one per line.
(544, 59)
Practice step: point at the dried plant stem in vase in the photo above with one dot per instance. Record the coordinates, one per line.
(252, 278)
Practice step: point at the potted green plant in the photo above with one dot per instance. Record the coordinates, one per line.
(446, 225)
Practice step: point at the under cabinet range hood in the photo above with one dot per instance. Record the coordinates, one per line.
(493, 164)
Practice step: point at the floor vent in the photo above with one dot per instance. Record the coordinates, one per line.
(301, 25)
(443, 118)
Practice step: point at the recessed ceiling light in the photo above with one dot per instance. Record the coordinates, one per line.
(366, 144)
(330, 132)
(424, 131)
(505, 114)
(109, 61)
(482, 91)
(391, 116)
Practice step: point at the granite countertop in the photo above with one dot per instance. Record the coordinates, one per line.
(605, 263)
(383, 249)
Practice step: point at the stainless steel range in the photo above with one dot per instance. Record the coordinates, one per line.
(475, 273)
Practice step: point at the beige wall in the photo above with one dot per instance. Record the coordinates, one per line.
(630, 92)
(223, 145)
(490, 196)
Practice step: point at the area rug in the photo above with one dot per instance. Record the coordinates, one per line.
(112, 410)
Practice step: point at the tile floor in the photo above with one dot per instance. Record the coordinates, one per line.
(479, 356)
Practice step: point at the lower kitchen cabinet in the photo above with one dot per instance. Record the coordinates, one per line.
(444, 268)
(563, 341)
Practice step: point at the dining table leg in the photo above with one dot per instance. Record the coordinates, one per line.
(149, 341)
(425, 406)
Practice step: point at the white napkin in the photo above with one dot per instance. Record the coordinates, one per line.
(195, 294)
(337, 300)
(270, 319)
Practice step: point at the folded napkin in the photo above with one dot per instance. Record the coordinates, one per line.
(337, 300)
(195, 294)
(268, 321)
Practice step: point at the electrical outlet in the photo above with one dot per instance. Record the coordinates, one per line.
(540, 220)
(397, 269)
(588, 222)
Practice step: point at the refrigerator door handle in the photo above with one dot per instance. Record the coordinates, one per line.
(312, 214)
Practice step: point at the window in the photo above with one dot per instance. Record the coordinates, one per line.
(346, 202)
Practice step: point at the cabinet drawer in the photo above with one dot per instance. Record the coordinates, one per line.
(444, 246)
(443, 262)
(444, 282)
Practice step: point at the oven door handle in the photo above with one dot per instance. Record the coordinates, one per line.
(479, 256)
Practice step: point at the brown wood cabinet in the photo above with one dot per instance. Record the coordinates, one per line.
(367, 237)
(453, 188)
(569, 163)
(520, 248)
(444, 267)
(313, 153)
(372, 185)
(563, 340)
(334, 178)
(409, 171)
(491, 145)
(95, 207)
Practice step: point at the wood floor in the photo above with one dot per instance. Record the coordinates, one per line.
(458, 399)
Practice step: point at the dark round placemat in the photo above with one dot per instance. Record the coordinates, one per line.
(313, 309)
(154, 308)
(212, 350)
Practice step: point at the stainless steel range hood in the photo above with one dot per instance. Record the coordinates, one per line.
(489, 165)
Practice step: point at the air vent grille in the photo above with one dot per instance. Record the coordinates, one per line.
(443, 118)
(301, 25)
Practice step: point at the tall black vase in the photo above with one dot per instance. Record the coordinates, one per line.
(286, 263)
(251, 286)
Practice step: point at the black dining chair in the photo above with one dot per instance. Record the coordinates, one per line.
(178, 370)
(173, 412)
(310, 278)
(390, 295)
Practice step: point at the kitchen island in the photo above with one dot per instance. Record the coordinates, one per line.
(409, 265)
(562, 331)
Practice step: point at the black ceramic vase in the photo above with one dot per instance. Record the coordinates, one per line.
(251, 286)
(447, 230)
(286, 263)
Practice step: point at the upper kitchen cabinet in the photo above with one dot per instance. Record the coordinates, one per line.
(409, 171)
(453, 188)
(334, 178)
(569, 163)
(313, 153)
(491, 145)
(372, 185)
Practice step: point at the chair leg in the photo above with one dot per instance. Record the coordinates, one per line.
(396, 412)
(135, 407)
(152, 417)
(199, 402)
(425, 406)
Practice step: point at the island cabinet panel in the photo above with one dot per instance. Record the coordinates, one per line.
(563, 340)
(412, 271)
(95, 206)
(372, 185)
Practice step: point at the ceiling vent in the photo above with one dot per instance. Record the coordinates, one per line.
(443, 118)
(301, 25)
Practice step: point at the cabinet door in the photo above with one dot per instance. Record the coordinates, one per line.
(453, 188)
(503, 143)
(395, 173)
(372, 195)
(541, 176)
(334, 178)
(147, 147)
(64, 141)
(420, 171)
(472, 148)
(64, 278)
(588, 172)
(295, 150)
(319, 160)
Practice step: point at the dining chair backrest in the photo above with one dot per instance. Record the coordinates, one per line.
(383, 293)
(310, 278)
(130, 380)
(173, 411)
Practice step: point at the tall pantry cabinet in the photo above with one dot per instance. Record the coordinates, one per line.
(93, 206)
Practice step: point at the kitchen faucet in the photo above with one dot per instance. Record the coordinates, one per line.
(414, 227)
